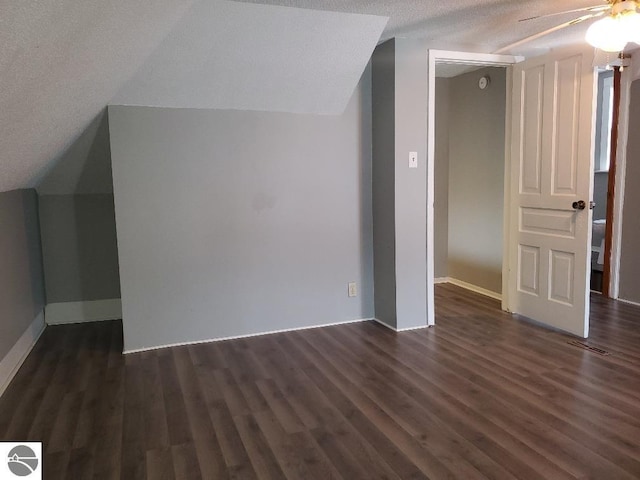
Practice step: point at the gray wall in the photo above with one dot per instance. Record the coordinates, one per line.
(247, 56)
(21, 277)
(630, 253)
(237, 222)
(383, 94)
(476, 178)
(78, 221)
(411, 184)
(85, 166)
(601, 178)
(600, 187)
(400, 193)
(441, 193)
(603, 120)
(79, 247)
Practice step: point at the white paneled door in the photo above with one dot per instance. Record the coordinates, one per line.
(551, 163)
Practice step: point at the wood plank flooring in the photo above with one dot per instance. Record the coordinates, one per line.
(481, 395)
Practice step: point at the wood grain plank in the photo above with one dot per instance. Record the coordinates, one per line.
(262, 458)
(185, 462)
(482, 395)
(208, 452)
(159, 464)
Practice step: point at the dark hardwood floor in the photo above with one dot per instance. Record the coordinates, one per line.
(480, 396)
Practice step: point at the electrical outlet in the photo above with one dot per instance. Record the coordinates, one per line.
(353, 289)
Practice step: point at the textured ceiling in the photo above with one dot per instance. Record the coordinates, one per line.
(62, 61)
(483, 25)
(60, 64)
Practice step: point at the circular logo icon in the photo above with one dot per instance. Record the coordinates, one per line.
(22, 461)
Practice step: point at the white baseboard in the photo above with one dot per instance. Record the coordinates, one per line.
(474, 288)
(221, 339)
(441, 280)
(408, 329)
(13, 360)
(628, 302)
(78, 312)
(385, 324)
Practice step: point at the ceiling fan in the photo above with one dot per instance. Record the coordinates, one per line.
(619, 25)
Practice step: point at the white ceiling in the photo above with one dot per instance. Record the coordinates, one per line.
(62, 61)
(484, 25)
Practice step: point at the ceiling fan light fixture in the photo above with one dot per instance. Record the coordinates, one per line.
(613, 32)
(606, 35)
(631, 26)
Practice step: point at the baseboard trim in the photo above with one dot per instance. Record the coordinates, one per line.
(385, 325)
(474, 288)
(397, 330)
(441, 280)
(13, 360)
(410, 329)
(628, 302)
(249, 335)
(79, 312)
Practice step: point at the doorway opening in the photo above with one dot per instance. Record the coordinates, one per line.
(611, 132)
(470, 119)
(455, 240)
(529, 258)
(602, 156)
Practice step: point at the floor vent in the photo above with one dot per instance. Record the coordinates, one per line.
(584, 346)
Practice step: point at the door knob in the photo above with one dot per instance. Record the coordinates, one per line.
(579, 205)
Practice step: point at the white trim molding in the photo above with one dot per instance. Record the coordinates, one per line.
(385, 324)
(465, 58)
(620, 182)
(78, 312)
(628, 302)
(221, 339)
(473, 288)
(410, 329)
(13, 360)
(398, 330)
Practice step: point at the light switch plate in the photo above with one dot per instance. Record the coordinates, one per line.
(413, 159)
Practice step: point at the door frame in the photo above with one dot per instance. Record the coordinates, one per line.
(464, 58)
(621, 168)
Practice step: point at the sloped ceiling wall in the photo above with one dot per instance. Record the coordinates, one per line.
(229, 55)
(63, 61)
(85, 167)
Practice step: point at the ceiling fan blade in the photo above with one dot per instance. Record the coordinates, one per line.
(595, 8)
(548, 31)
